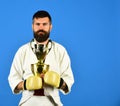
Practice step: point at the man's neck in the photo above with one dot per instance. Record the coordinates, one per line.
(43, 43)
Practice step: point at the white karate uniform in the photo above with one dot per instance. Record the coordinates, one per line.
(59, 61)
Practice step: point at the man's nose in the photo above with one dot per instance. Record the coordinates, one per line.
(41, 26)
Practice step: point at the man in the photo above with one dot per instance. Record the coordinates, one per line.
(41, 88)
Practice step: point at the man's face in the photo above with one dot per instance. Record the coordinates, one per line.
(41, 28)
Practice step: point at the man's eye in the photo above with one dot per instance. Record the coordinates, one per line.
(44, 24)
(38, 24)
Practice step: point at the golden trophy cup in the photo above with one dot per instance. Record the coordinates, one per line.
(39, 67)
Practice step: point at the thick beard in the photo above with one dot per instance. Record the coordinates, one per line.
(41, 37)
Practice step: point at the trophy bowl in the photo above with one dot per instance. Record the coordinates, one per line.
(37, 68)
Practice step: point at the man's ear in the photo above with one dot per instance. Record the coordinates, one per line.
(32, 26)
(51, 27)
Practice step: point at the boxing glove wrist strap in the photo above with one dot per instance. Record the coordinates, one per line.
(61, 83)
(24, 85)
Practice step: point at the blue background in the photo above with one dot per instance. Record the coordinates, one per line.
(89, 30)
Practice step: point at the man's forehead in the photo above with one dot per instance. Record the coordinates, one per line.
(44, 19)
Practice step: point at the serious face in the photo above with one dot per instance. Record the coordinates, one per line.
(41, 28)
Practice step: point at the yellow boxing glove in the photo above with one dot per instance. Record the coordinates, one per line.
(52, 78)
(33, 83)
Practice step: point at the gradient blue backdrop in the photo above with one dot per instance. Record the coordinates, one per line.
(90, 31)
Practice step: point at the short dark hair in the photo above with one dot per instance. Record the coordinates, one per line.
(42, 14)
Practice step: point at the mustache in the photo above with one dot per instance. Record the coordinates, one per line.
(41, 31)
